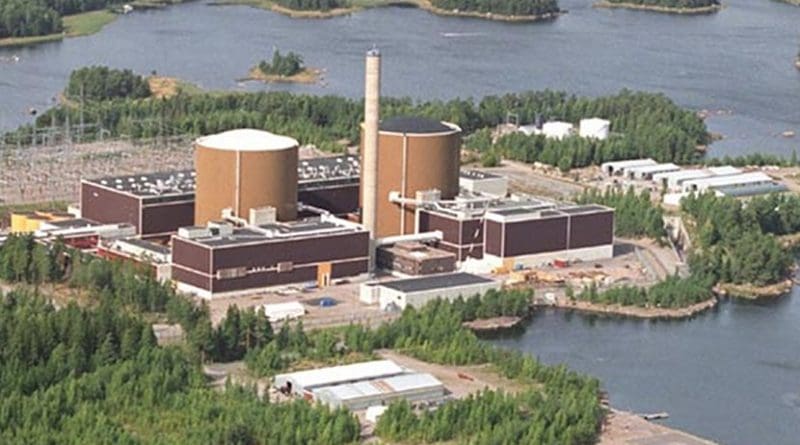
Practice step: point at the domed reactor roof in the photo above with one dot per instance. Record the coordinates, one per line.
(247, 140)
(416, 125)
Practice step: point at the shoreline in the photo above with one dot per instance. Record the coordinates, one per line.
(620, 426)
(307, 76)
(660, 9)
(494, 324)
(753, 293)
(75, 25)
(635, 311)
(425, 5)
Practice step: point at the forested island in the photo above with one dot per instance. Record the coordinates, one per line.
(284, 68)
(667, 6)
(102, 83)
(25, 22)
(504, 10)
(95, 373)
(650, 125)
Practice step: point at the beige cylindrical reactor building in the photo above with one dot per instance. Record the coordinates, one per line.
(414, 155)
(242, 170)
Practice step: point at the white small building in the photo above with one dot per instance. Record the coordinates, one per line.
(557, 130)
(284, 311)
(477, 181)
(647, 171)
(418, 291)
(673, 180)
(728, 182)
(724, 170)
(594, 128)
(304, 382)
(365, 394)
(618, 167)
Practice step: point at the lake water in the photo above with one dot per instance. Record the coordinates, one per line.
(731, 375)
(739, 60)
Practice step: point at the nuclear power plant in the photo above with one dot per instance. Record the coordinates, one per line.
(252, 215)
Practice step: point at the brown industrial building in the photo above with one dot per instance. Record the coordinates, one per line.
(242, 170)
(414, 155)
(528, 231)
(221, 259)
(156, 204)
(412, 258)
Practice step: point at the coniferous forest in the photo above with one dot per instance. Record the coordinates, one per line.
(502, 7)
(645, 124)
(94, 373)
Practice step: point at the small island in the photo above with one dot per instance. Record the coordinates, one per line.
(287, 68)
(500, 10)
(24, 22)
(688, 7)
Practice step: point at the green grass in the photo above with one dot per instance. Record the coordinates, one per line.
(76, 25)
(87, 23)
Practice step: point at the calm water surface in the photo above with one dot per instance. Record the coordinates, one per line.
(731, 375)
(739, 60)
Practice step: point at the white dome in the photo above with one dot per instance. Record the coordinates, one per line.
(247, 140)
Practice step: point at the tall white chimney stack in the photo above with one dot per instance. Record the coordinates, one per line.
(369, 169)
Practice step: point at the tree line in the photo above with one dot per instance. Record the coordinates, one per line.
(502, 7)
(312, 5)
(282, 65)
(635, 215)
(643, 124)
(736, 240)
(674, 292)
(100, 82)
(112, 384)
(650, 124)
(676, 4)
(23, 18)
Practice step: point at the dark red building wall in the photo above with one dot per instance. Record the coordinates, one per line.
(167, 217)
(338, 200)
(536, 236)
(594, 229)
(302, 251)
(109, 207)
(191, 255)
(493, 236)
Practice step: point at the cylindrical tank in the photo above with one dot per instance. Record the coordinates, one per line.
(414, 155)
(242, 170)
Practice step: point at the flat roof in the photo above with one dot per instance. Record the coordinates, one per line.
(303, 228)
(753, 189)
(416, 125)
(389, 385)
(166, 183)
(146, 245)
(628, 163)
(654, 168)
(310, 172)
(730, 180)
(681, 174)
(314, 171)
(340, 374)
(477, 175)
(247, 139)
(432, 282)
(72, 223)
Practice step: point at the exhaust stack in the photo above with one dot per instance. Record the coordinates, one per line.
(369, 169)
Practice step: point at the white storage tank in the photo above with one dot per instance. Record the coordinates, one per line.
(594, 128)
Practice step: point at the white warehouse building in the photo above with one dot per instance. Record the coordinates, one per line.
(416, 292)
(619, 167)
(304, 382)
(362, 395)
(647, 171)
(594, 128)
(727, 182)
